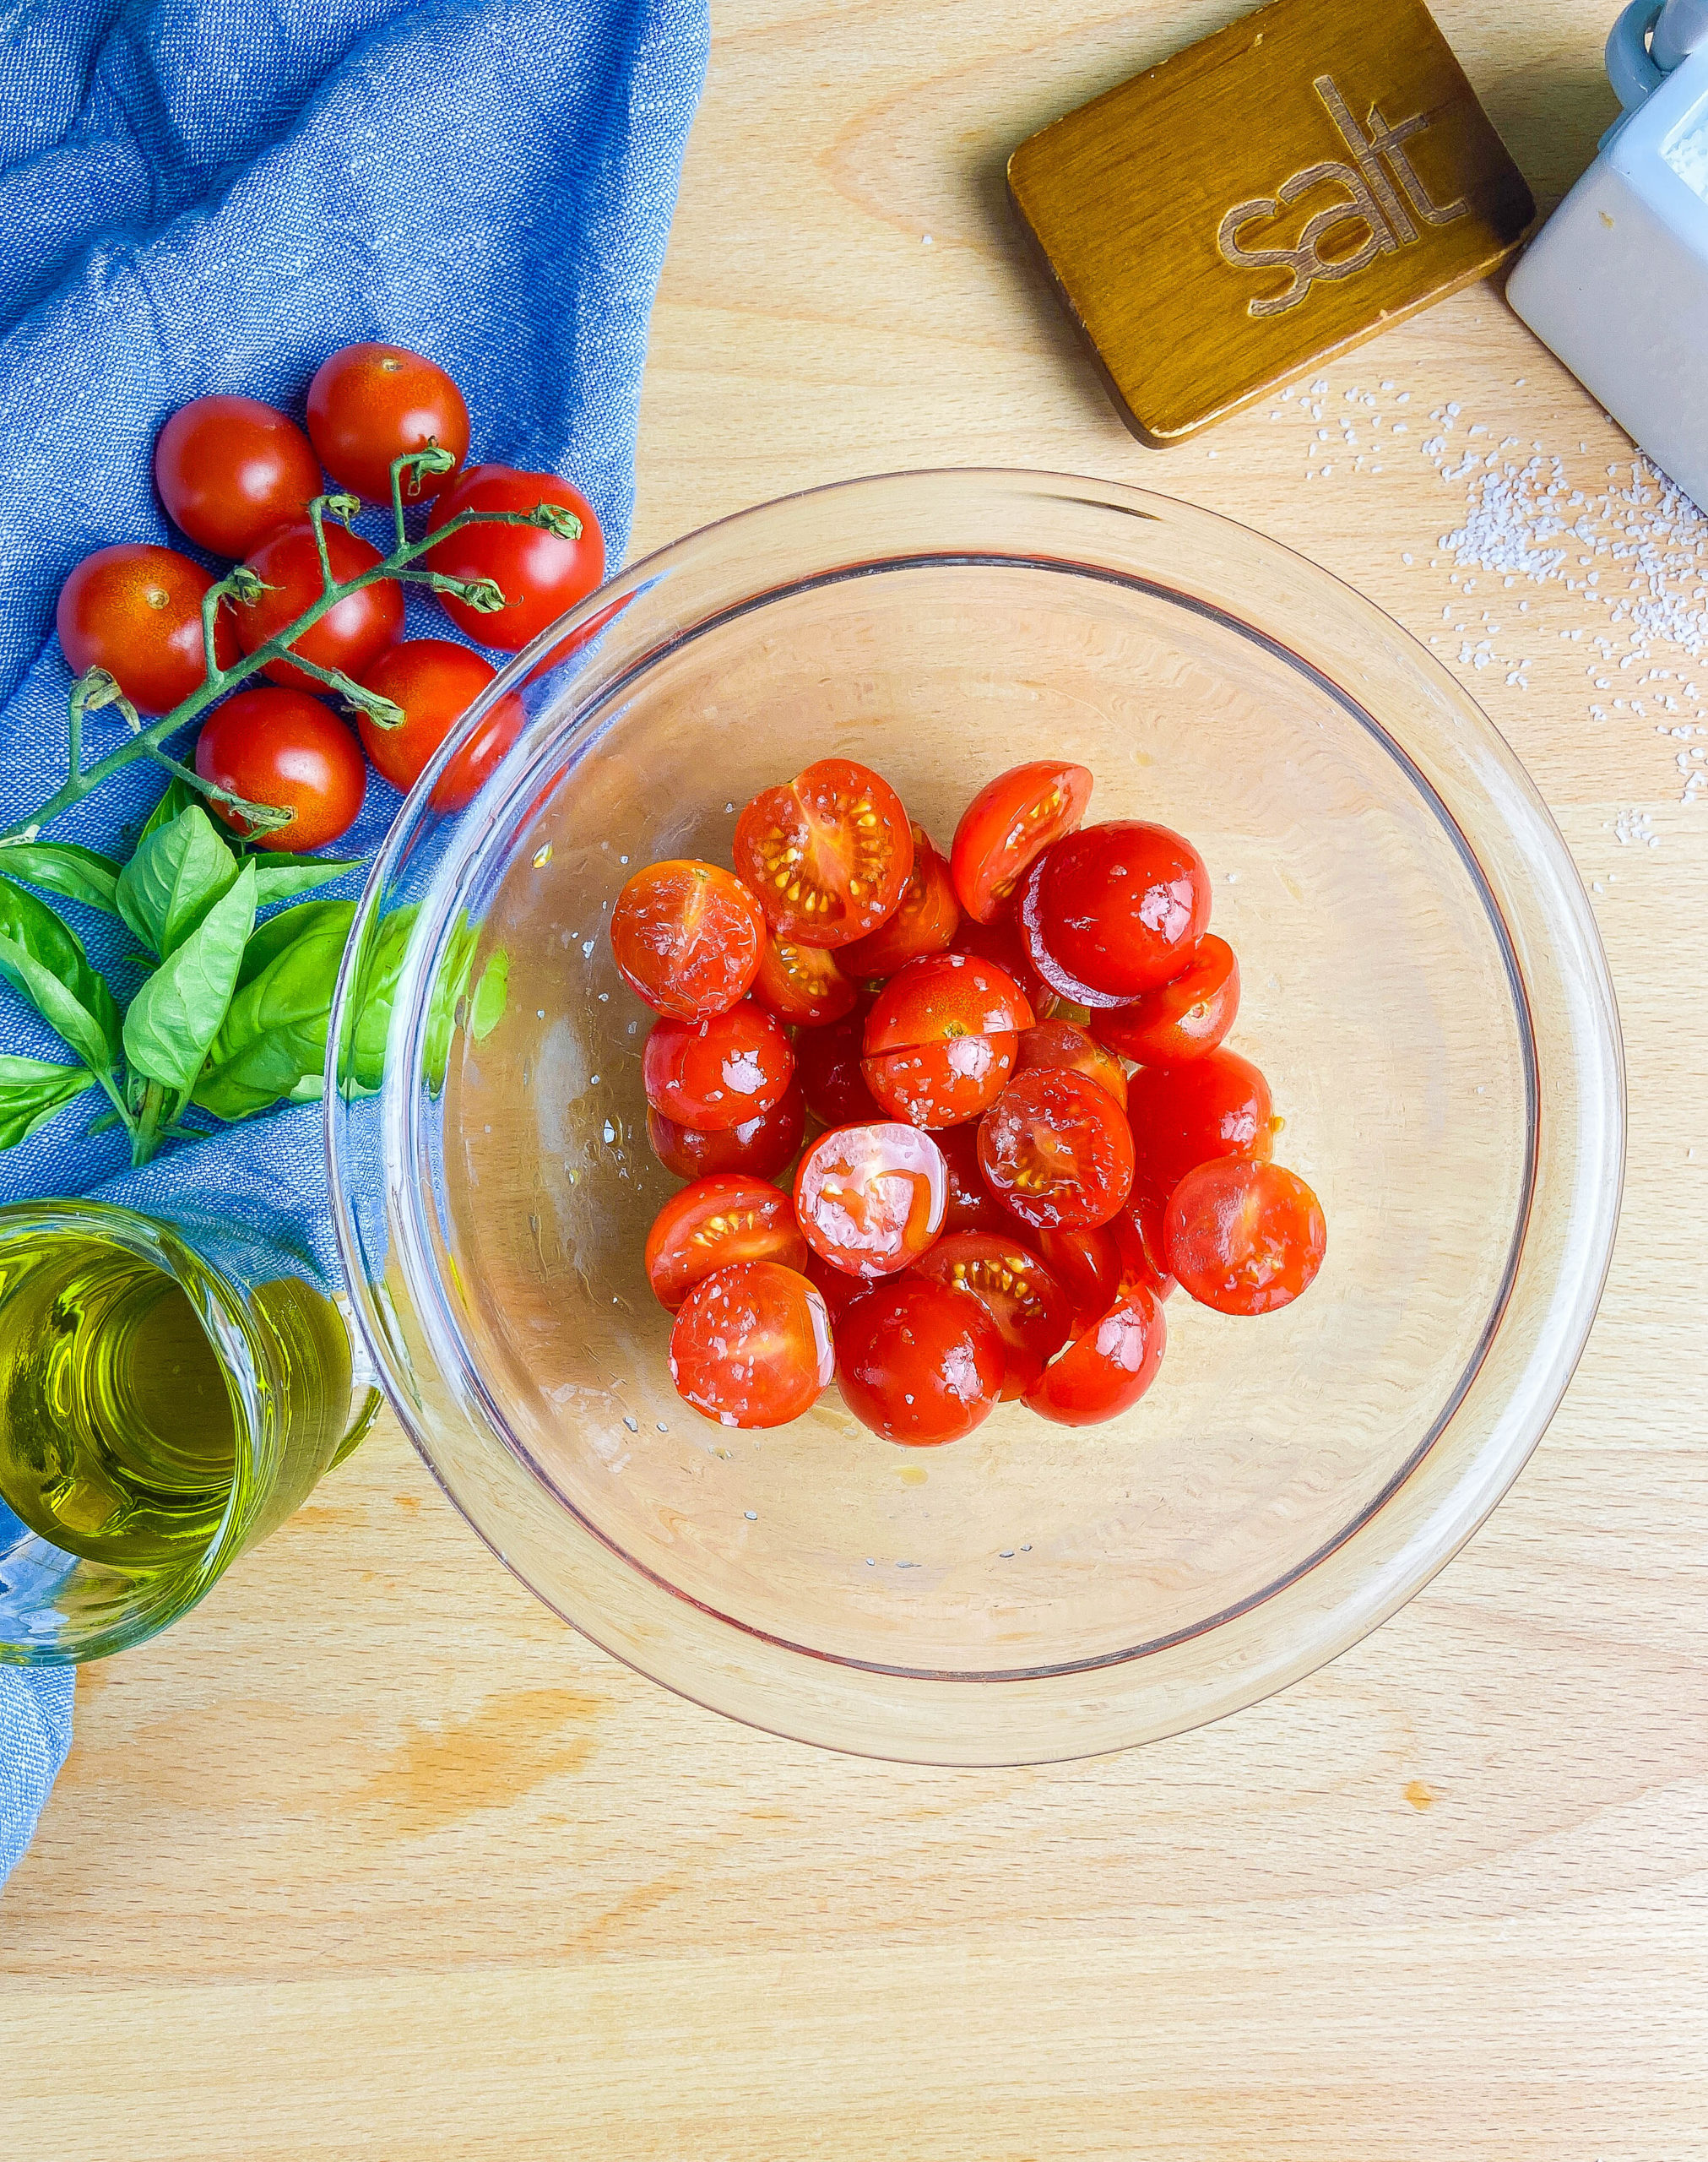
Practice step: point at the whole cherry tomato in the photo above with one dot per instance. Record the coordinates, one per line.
(1000, 941)
(1182, 1115)
(802, 984)
(1107, 1367)
(1184, 1019)
(1114, 911)
(760, 1146)
(870, 1198)
(924, 921)
(136, 610)
(687, 937)
(751, 1346)
(716, 1222)
(1060, 1043)
(1011, 820)
(1245, 1237)
(829, 854)
(828, 1062)
(281, 747)
(918, 1362)
(1021, 1294)
(436, 681)
(348, 638)
(716, 1073)
(541, 575)
(971, 1205)
(231, 470)
(1056, 1150)
(369, 405)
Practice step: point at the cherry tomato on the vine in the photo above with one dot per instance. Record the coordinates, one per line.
(282, 748)
(1056, 1150)
(1184, 1018)
(1182, 1115)
(349, 637)
(918, 1362)
(1060, 1043)
(541, 574)
(802, 984)
(761, 1146)
(1107, 1367)
(1011, 820)
(829, 853)
(751, 1346)
(716, 1073)
(369, 405)
(828, 1062)
(923, 921)
(435, 681)
(231, 470)
(1245, 1237)
(1018, 1291)
(713, 1222)
(1113, 910)
(687, 937)
(870, 1198)
(136, 610)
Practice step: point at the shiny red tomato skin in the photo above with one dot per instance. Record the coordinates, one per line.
(687, 937)
(941, 1084)
(714, 1224)
(1182, 1115)
(828, 1062)
(231, 470)
(923, 921)
(281, 747)
(720, 1072)
(369, 405)
(1000, 941)
(870, 1198)
(1017, 1288)
(1087, 1263)
(943, 996)
(1010, 822)
(751, 1345)
(1061, 1043)
(136, 610)
(1056, 1150)
(1107, 1367)
(350, 636)
(971, 1206)
(1116, 908)
(1183, 1020)
(1245, 1237)
(801, 985)
(761, 1147)
(835, 1286)
(829, 854)
(436, 681)
(541, 575)
(1137, 1231)
(920, 1363)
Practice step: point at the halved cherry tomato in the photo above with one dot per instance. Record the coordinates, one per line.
(835, 1286)
(1137, 1231)
(940, 1042)
(1182, 1115)
(1245, 1237)
(829, 855)
(920, 1363)
(349, 637)
(1056, 1150)
(718, 1072)
(760, 1146)
(942, 1084)
(688, 938)
(751, 1346)
(716, 1222)
(801, 984)
(1010, 821)
(1185, 1018)
(136, 610)
(828, 1062)
(541, 574)
(1000, 941)
(435, 681)
(369, 405)
(1087, 1265)
(870, 1198)
(1114, 911)
(1107, 1368)
(1060, 1043)
(971, 1206)
(924, 921)
(231, 470)
(1016, 1289)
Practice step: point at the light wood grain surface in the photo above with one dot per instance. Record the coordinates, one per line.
(369, 1857)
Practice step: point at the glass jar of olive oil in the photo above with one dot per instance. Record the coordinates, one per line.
(169, 1393)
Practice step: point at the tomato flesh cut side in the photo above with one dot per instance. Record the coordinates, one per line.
(688, 938)
(1245, 1237)
(829, 856)
(870, 1198)
(1184, 1018)
(752, 1346)
(1056, 1150)
(1107, 1367)
(920, 1363)
(1118, 908)
(1010, 822)
(924, 921)
(761, 1146)
(718, 1072)
(1031, 1311)
(801, 985)
(1182, 1115)
(1061, 1043)
(716, 1222)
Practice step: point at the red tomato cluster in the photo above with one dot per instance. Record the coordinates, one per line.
(235, 475)
(995, 1208)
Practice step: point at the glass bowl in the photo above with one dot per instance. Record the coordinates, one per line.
(1423, 986)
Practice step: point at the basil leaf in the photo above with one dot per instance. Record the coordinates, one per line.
(273, 1041)
(492, 995)
(376, 990)
(178, 797)
(80, 874)
(449, 985)
(174, 1018)
(31, 1090)
(278, 876)
(174, 878)
(42, 958)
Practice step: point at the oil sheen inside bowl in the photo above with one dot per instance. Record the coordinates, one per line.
(1421, 984)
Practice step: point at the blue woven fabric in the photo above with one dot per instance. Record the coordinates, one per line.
(204, 195)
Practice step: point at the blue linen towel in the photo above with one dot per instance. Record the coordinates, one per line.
(212, 195)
